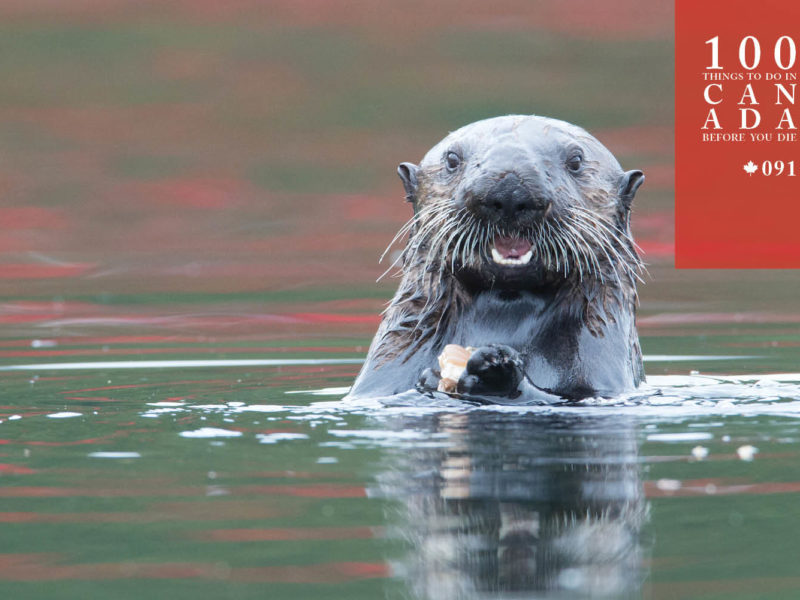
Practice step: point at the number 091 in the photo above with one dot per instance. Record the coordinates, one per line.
(777, 167)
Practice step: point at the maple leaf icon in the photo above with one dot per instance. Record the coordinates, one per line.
(750, 167)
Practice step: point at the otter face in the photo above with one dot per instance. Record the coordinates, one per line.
(522, 199)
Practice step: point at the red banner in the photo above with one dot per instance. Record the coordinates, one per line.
(737, 168)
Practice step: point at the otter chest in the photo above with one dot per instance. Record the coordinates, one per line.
(514, 320)
(561, 353)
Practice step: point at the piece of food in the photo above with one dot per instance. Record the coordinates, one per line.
(452, 362)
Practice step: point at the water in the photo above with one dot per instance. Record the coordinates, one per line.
(194, 200)
(223, 478)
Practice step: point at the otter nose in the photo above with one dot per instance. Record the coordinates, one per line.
(509, 199)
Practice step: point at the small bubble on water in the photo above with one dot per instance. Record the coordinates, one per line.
(747, 452)
(699, 452)
(327, 460)
(726, 438)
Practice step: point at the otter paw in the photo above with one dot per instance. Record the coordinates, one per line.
(495, 370)
(428, 381)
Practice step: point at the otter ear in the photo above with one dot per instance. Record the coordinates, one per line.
(408, 173)
(627, 187)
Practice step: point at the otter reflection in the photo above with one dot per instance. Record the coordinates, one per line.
(519, 503)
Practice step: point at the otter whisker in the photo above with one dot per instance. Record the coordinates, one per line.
(457, 250)
(560, 250)
(483, 236)
(432, 225)
(553, 253)
(403, 230)
(581, 256)
(543, 249)
(630, 250)
(631, 270)
(438, 242)
(408, 225)
(572, 247)
(446, 247)
(469, 249)
(591, 255)
(564, 246)
(467, 242)
(473, 256)
(432, 256)
(622, 238)
(600, 242)
(611, 236)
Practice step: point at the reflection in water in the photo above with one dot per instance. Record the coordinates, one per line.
(518, 503)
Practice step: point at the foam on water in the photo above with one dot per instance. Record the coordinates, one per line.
(663, 397)
(274, 438)
(114, 455)
(694, 403)
(210, 432)
(689, 436)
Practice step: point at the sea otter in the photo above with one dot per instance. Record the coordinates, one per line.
(519, 248)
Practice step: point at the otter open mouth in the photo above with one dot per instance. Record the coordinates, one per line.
(511, 251)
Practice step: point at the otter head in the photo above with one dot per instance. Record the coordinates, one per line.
(521, 202)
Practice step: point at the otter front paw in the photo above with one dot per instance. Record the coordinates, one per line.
(495, 370)
(429, 381)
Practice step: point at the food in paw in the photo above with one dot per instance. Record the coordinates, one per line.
(452, 362)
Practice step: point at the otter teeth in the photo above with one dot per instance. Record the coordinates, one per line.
(512, 262)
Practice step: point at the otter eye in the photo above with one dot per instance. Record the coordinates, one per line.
(574, 163)
(452, 161)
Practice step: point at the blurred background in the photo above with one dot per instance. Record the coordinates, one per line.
(155, 155)
(216, 180)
